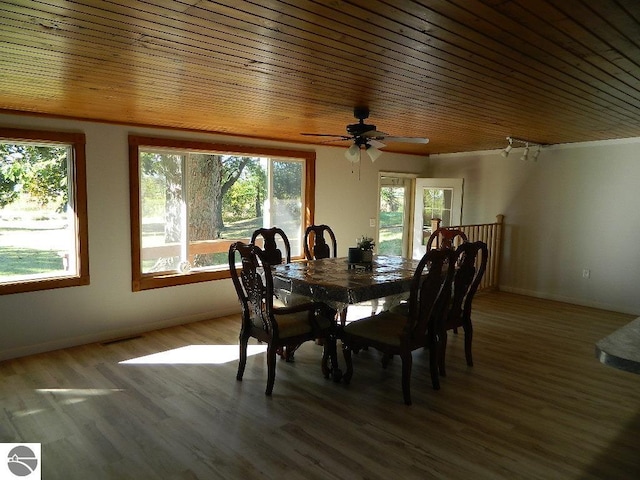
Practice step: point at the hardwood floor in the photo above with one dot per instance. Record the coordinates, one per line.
(536, 405)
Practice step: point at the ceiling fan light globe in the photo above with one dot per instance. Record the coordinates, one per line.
(353, 153)
(373, 153)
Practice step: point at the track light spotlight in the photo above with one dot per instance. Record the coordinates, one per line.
(505, 152)
(527, 145)
(536, 154)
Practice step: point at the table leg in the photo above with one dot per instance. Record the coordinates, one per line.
(330, 367)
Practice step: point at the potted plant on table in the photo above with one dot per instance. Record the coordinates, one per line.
(366, 244)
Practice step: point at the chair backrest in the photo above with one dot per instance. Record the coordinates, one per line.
(253, 283)
(270, 251)
(470, 265)
(445, 238)
(316, 246)
(429, 295)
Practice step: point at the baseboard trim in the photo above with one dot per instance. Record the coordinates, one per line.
(109, 335)
(565, 299)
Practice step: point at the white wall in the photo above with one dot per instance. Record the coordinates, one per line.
(107, 308)
(576, 208)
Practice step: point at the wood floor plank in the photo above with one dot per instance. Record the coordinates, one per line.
(536, 405)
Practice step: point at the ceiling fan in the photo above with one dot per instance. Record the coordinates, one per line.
(367, 136)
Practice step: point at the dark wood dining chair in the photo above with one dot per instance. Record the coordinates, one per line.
(316, 247)
(315, 243)
(399, 334)
(470, 264)
(270, 237)
(445, 237)
(281, 329)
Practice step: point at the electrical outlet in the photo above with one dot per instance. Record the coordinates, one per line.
(372, 222)
(586, 273)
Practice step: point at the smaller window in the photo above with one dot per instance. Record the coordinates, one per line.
(43, 213)
(437, 204)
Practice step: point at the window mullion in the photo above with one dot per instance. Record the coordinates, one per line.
(70, 261)
(184, 211)
(270, 192)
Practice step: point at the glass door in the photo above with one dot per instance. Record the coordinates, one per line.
(435, 198)
(394, 217)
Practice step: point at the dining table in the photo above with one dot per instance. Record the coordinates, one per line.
(337, 283)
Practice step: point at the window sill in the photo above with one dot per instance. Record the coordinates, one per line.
(170, 279)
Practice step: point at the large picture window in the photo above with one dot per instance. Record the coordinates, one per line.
(43, 213)
(191, 200)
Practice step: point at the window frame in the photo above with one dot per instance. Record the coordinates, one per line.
(145, 281)
(77, 175)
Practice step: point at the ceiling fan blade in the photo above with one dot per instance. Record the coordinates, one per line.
(405, 139)
(342, 137)
(374, 134)
(375, 143)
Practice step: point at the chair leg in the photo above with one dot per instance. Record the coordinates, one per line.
(244, 340)
(407, 361)
(468, 338)
(434, 357)
(289, 351)
(442, 351)
(343, 317)
(346, 351)
(325, 364)
(330, 359)
(336, 373)
(271, 369)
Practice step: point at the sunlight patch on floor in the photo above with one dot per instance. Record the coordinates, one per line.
(372, 307)
(26, 413)
(196, 354)
(88, 392)
(69, 396)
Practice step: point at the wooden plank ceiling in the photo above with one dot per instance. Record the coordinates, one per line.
(464, 73)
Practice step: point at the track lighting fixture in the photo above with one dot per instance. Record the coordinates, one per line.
(506, 151)
(527, 145)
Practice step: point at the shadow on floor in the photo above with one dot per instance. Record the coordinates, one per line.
(621, 459)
